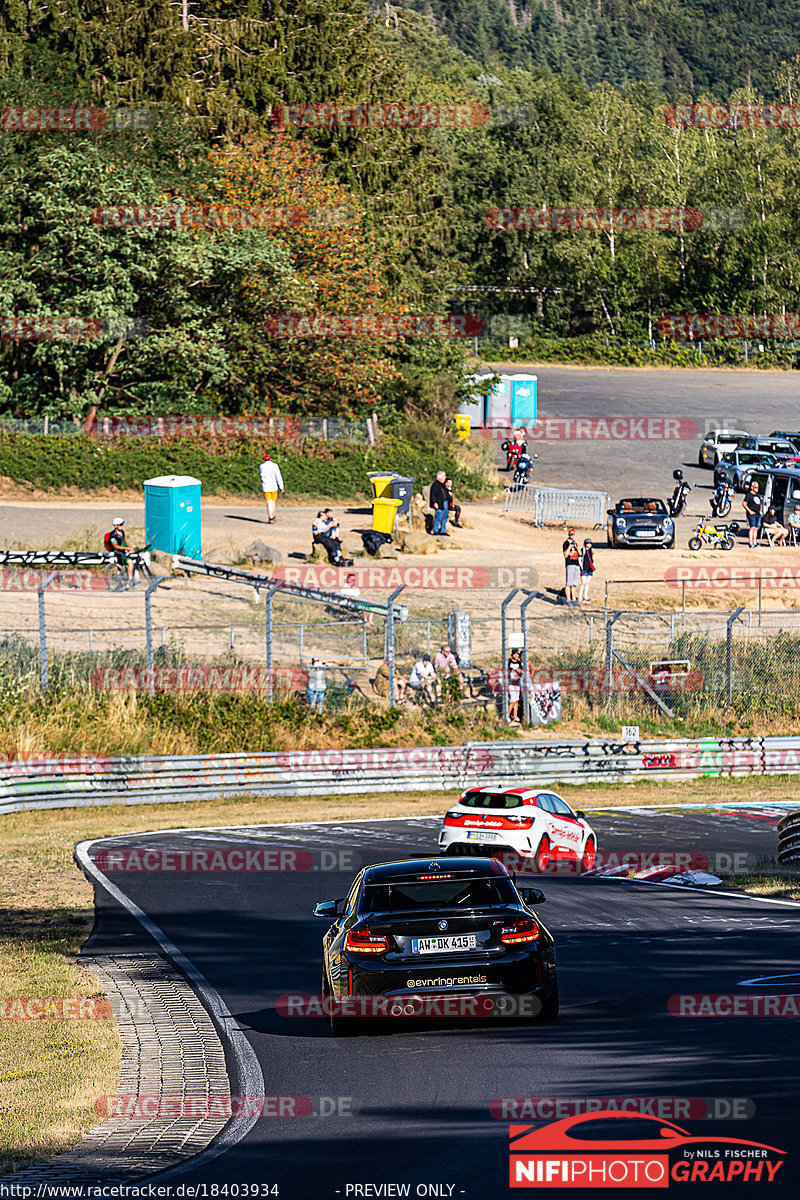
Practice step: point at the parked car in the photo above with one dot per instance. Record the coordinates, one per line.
(640, 521)
(737, 468)
(781, 447)
(718, 442)
(794, 438)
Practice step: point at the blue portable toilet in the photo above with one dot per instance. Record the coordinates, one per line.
(172, 514)
(523, 400)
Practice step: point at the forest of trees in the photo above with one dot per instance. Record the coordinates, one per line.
(211, 72)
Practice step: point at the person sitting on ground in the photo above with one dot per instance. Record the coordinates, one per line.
(439, 505)
(452, 506)
(445, 663)
(116, 541)
(381, 682)
(771, 525)
(423, 678)
(325, 532)
(354, 592)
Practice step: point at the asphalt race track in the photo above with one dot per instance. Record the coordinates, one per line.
(421, 1094)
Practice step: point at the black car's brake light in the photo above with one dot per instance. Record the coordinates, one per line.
(361, 941)
(523, 930)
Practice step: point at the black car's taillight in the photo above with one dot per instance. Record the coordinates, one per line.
(361, 941)
(523, 930)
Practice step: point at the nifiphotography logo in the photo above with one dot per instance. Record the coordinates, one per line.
(584, 1151)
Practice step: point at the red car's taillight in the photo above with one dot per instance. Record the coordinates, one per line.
(361, 941)
(524, 930)
(523, 822)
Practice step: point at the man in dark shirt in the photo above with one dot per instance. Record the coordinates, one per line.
(753, 506)
(439, 504)
(117, 542)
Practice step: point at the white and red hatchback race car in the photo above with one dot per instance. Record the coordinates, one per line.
(535, 824)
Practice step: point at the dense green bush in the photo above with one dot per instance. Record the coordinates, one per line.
(312, 468)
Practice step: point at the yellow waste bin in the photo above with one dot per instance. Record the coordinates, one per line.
(381, 483)
(384, 511)
(463, 426)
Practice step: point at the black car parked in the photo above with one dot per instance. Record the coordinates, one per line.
(640, 521)
(425, 930)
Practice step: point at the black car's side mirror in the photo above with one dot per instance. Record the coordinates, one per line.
(532, 896)
(328, 908)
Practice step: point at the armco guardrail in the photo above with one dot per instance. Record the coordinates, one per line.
(789, 838)
(73, 783)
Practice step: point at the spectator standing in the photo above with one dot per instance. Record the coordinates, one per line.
(452, 506)
(572, 558)
(271, 484)
(439, 505)
(587, 569)
(445, 663)
(315, 692)
(514, 669)
(753, 506)
(423, 678)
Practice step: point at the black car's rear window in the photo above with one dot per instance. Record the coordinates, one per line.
(491, 800)
(437, 896)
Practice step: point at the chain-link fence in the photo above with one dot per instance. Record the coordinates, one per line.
(192, 635)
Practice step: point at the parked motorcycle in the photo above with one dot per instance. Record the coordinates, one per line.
(721, 500)
(718, 537)
(513, 451)
(677, 502)
(524, 468)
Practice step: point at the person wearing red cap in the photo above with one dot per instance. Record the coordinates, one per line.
(271, 484)
(572, 558)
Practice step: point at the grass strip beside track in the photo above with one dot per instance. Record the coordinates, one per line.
(52, 1070)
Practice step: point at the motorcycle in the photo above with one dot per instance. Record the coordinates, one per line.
(721, 500)
(677, 502)
(523, 469)
(719, 537)
(513, 451)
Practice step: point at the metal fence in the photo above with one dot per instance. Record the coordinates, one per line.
(69, 783)
(624, 663)
(545, 504)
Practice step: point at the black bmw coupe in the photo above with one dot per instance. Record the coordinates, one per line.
(436, 937)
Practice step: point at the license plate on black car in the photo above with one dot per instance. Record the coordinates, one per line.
(443, 945)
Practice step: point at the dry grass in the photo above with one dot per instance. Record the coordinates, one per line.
(768, 879)
(52, 1071)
